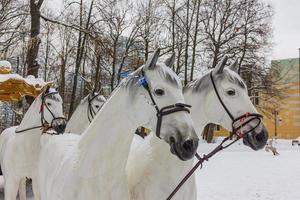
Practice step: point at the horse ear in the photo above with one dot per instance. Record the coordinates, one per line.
(220, 66)
(170, 61)
(89, 86)
(235, 66)
(151, 62)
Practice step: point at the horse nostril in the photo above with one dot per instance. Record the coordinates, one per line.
(261, 137)
(188, 145)
(172, 139)
(61, 127)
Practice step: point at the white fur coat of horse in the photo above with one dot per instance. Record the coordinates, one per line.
(84, 113)
(92, 166)
(19, 152)
(156, 176)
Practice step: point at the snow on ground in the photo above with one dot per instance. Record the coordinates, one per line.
(238, 173)
(242, 174)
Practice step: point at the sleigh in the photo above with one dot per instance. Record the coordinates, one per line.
(14, 87)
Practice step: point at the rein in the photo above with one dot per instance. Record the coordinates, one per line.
(45, 125)
(177, 107)
(201, 161)
(243, 119)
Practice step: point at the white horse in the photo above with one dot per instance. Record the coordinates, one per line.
(92, 165)
(160, 174)
(85, 113)
(78, 122)
(20, 145)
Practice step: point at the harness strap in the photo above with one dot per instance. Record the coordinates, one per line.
(45, 125)
(165, 110)
(201, 160)
(218, 95)
(27, 129)
(90, 111)
(169, 110)
(235, 131)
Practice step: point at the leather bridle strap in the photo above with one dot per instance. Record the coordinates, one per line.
(218, 95)
(201, 160)
(167, 110)
(243, 118)
(45, 125)
(91, 112)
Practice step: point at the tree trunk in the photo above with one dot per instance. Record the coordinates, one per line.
(114, 61)
(195, 40)
(79, 55)
(186, 56)
(34, 42)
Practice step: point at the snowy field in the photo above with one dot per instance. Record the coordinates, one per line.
(239, 173)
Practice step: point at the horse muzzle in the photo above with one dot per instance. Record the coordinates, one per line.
(184, 149)
(256, 141)
(59, 125)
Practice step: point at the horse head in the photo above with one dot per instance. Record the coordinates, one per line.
(158, 93)
(52, 110)
(225, 101)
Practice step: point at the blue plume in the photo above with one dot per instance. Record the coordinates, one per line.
(143, 82)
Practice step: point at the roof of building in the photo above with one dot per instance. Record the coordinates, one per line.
(288, 68)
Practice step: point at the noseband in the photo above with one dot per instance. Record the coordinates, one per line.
(243, 119)
(167, 110)
(43, 120)
(91, 113)
(45, 124)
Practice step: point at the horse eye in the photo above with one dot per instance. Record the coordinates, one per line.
(231, 92)
(97, 106)
(159, 92)
(48, 104)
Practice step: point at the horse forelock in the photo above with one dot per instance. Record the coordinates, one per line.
(199, 84)
(53, 96)
(164, 72)
(234, 78)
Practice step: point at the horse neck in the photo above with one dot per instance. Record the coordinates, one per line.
(198, 109)
(106, 142)
(79, 119)
(32, 117)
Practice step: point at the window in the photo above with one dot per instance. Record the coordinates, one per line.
(255, 99)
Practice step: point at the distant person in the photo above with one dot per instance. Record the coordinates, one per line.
(269, 147)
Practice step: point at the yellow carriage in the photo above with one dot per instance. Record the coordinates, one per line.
(14, 87)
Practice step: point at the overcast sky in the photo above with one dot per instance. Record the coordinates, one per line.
(286, 26)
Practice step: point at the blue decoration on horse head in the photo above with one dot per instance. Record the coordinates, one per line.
(143, 82)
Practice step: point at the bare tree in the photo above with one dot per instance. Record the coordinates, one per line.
(80, 50)
(34, 43)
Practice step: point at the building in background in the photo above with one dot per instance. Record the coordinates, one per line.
(285, 116)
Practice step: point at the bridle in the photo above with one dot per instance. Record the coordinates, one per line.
(91, 113)
(167, 110)
(45, 125)
(243, 119)
(237, 131)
